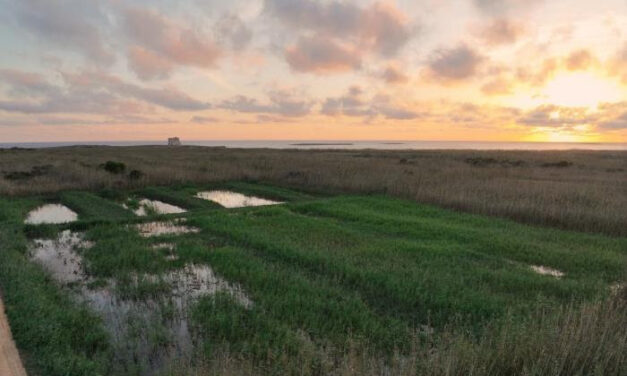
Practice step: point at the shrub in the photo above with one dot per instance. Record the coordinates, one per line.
(114, 167)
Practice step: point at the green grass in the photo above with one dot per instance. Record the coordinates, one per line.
(92, 207)
(324, 273)
(442, 272)
(54, 334)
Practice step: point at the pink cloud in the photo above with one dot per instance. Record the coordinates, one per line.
(162, 44)
(334, 36)
(322, 55)
(147, 64)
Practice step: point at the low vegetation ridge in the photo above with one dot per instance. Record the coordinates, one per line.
(337, 284)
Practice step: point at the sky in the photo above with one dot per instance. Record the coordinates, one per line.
(476, 70)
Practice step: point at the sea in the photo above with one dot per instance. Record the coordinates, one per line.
(313, 144)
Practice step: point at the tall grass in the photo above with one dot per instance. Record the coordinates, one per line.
(585, 194)
(582, 340)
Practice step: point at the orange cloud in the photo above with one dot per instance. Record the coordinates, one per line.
(498, 86)
(580, 60)
(322, 55)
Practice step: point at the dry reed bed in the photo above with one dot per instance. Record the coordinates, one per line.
(577, 190)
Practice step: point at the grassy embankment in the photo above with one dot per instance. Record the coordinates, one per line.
(346, 285)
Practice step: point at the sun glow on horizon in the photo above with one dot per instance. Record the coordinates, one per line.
(580, 89)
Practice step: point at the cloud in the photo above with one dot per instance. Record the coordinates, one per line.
(385, 106)
(349, 104)
(579, 60)
(162, 44)
(501, 31)
(607, 117)
(335, 35)
(394, 75)
(455, 64)
(539, 76)
(203, 119)
(619, 122)
(147, 64)
(614, 116)
(70, 23)
(26, 83)
(505, 6)
(497, 86)
(385, 28)
(169, 97)
(618, 64)
(91, 92)
(558, 117)
(282, 103)
(322, 55)
(353, 104)
(231, 29)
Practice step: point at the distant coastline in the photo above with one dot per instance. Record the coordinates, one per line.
(341, 144)
(322, 144)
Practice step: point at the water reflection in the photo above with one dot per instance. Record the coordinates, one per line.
(147, 333)
(51, 213)
(545, 270)
(150, 229)
(147, 206)
(234, 200)
(58, 257)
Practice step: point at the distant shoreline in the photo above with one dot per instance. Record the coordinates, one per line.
(323, 144)
(340, 145)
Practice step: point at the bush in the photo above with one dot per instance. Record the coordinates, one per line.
(114, 167)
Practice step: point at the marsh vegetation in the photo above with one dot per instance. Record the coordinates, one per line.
(323, 283)
(340, 262)
(575, 190)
